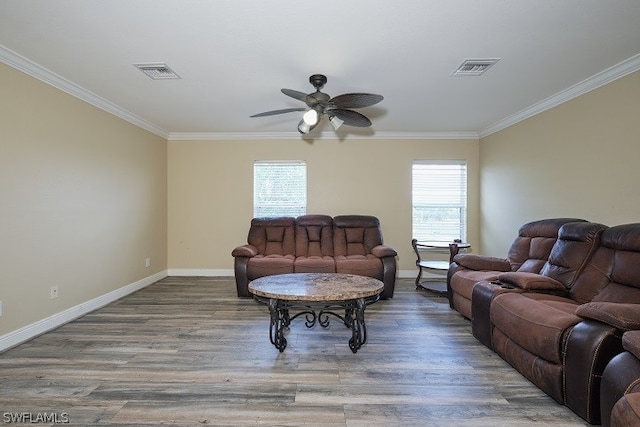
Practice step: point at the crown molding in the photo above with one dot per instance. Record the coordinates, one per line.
(233, 136)
(615, 72)
(35, 70)
(32, 69)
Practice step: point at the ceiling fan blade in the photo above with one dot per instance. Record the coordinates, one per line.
(356, 100)
(349, 117)
(274, 112)
(301, 96)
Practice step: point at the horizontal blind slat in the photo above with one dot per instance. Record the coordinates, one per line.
(439, 193)
(279, 189)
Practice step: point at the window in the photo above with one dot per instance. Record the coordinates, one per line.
(439, 194)
(279, 189)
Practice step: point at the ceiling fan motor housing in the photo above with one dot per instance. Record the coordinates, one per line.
(318, 81)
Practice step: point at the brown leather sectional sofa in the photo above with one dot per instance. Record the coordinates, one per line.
(350, 244)
(561, 322)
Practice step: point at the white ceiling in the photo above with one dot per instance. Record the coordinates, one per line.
(234, 56)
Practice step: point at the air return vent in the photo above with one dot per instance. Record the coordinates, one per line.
(157, 71)
(474, 67)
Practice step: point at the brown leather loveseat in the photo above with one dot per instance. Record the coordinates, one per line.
(350, 244)
(560, 327)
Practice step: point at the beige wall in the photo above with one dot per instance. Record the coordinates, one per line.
(86, 197)
(83, 201)
(579, 159)
(211, 190)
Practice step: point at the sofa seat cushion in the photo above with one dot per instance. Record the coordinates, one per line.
(536, 322)
(266, 265)
(559, 302)
(314, 264)
(363, 265)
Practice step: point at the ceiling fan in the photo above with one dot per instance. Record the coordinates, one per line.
(320, 104)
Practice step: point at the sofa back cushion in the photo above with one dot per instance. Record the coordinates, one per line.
(618, 257)
(273, 236)
(576, 243)
(314, 236)
(530, 250)
(355, 234)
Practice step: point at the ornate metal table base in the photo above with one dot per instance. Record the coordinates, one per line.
(317, 296)
(318, 313)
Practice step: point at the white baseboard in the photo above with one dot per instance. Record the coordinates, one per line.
(40, 327)
(204, 272)
(405, 274)
(411, 274)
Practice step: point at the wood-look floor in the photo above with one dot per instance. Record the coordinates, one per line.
(188, 352)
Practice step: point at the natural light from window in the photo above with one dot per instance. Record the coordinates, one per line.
(279, 188)
(439, 199)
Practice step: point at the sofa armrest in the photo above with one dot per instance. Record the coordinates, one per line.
(529, 281)
(382, 251)
(480, 262)
(245, 251)
(240, 272)
(482, 295)
(590, 346)
(625, 317)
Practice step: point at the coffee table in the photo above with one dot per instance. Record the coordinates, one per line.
(317, 295)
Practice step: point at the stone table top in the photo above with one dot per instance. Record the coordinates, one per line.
(315, 286)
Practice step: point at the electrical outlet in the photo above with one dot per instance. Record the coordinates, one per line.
(54, 292)
(147, 262)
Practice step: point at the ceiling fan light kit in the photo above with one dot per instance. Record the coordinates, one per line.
(338, 109)
(335, 122)
(310, 117)
(304, 127)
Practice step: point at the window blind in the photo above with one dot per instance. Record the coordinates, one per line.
(279, 188)
(439, 199)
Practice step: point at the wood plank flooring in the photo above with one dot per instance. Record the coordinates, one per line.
(188, 352)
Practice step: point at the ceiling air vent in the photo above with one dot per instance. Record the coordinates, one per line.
(157, 71)
(474, 67)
